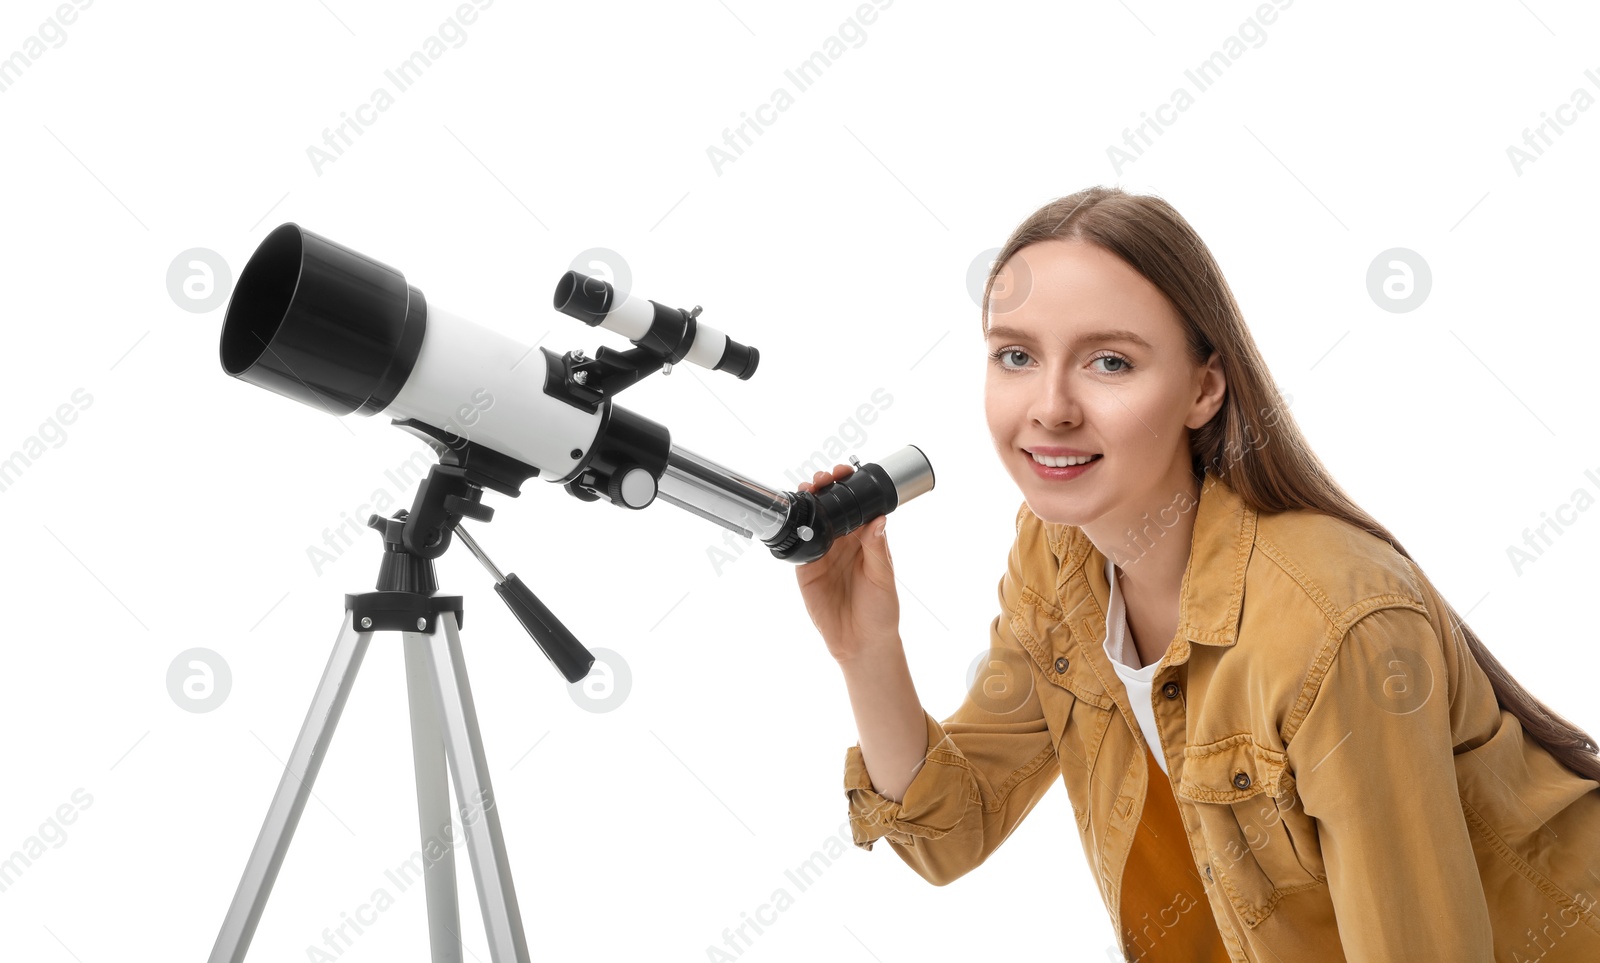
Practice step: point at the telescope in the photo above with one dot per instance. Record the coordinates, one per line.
(319, 323)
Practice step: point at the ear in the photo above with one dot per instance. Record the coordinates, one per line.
(1210, 386)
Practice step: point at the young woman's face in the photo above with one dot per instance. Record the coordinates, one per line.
(1091, 356)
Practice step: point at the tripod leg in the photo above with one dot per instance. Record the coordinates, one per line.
(433, 803)
(290, 799)
(497, 897)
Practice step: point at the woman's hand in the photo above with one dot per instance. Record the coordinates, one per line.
(850, 591)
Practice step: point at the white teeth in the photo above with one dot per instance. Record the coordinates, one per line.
(1061, 462)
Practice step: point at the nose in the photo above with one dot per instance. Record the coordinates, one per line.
(1055, 402)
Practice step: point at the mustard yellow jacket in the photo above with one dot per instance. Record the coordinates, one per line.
(1350, 787)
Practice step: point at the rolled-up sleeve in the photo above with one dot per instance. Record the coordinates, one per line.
(1374, 765)
(987, 765)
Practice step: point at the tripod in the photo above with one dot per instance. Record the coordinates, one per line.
(444, 724)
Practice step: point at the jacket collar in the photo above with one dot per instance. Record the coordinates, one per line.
(1212, 594)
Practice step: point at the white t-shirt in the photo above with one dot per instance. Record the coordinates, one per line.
(1125, 659)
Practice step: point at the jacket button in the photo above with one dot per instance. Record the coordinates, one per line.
(1061, 664)
(1208, 872)
(1241, 780)
(1170, 690)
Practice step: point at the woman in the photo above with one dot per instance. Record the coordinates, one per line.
(1280, 742)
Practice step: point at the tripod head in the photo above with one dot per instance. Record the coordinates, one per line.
(406, 596)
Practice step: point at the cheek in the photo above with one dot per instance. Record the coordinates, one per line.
(1003, 405)
(993, 403)
(993, 422)
(1117, 418)
(1137, 417)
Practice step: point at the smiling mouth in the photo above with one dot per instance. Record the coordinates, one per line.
(1062, 461)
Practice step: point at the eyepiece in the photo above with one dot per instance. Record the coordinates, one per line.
(583, 297)
(817, 519)
(910, 472)
(738, 360)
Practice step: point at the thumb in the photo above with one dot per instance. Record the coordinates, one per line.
(879, 542)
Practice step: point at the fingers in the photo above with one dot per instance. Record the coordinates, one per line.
(822, 478)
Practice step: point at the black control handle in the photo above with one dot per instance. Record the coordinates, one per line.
(560, 646)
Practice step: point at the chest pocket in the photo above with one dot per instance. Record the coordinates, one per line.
(1261, 844)
(1041, 628)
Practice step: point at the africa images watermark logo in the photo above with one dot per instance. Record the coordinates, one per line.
(53, 31)
(1537, 138)
(1202, 77)
(52, 433)
(438, 846)
(351, 528)
(52, 833)
(402, 77)
(1553, 524)
(735, 140)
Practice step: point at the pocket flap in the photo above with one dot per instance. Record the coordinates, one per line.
(1041, 627)
(1231, 770)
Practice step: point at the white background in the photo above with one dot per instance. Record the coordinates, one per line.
(178, 510)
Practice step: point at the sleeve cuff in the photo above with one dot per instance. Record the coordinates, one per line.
(933, 803)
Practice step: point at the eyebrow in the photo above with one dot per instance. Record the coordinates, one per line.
(1092, 337)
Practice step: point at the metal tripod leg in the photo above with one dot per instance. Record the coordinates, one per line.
(497, 897)
(433, 803)
(290, 799)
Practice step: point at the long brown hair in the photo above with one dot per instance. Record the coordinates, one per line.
(1154, 239)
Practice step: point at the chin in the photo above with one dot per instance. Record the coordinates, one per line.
(1073, 520)
(1054, 511)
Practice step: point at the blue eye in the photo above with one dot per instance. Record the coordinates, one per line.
(1124, 365)
(995, 356)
